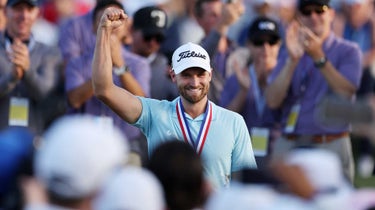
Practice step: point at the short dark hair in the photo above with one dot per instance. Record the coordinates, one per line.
(183, 188)
(198, 8)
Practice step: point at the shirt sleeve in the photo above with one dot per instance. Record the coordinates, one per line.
(243, 155)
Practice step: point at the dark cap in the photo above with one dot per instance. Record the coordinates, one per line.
(151, 20)
(11, 3)
(263, 26)
(303, 3)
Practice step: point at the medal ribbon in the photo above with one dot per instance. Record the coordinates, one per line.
(202, 135)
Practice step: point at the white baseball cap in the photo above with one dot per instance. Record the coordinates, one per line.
(190, 55)
(322, 167)
(253, 197)
(77, 155)
(131, 188)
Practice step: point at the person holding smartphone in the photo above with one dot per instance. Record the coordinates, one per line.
(316, 63)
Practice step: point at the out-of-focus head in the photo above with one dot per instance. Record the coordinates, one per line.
(263, 27)
(180, 171)
(304, 3)
(33, 3)
(148, 30)
(264, 43)
(358, 12)
(322, 168)
(131, 188)
(77, 155)
(286, 10)
(190, 55)
(263, 7)
(21, 15)
(317, 15)
(208, 13)
(152, 21)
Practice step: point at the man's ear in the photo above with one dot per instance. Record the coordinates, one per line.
(210, 73)
(172, 75)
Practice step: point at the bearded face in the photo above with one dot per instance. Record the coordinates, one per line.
(193, 84)
(193, 94)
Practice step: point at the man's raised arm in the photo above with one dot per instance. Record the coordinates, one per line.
(125, 104)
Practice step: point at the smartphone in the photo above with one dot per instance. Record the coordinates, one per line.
(336, 110)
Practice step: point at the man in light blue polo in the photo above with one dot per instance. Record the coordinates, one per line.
(218, 135)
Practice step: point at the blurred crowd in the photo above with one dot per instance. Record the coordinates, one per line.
(300, 73)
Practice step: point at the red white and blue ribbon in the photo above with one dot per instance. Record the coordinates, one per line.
(202, 135)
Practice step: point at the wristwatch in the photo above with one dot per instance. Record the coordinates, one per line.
(120, 70)
(320, 63)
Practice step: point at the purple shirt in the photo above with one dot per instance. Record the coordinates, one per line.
(345, 56)
(77, 36)
(253, 118)
(79, 70)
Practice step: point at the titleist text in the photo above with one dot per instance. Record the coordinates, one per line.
(188, 54)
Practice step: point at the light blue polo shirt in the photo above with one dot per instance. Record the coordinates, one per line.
(227, 147)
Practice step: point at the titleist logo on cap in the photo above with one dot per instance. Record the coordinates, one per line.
(188, 54)
(267, 26)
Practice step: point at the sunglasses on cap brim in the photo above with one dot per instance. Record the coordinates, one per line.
(261, 42)
(306, 11)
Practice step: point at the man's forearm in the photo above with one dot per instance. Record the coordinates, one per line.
(278, 89)
(102, 63)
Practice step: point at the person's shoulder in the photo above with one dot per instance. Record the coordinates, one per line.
(345, 43)
(225, 113)
(45, 49)
(343, 48)
(152, 102)
(80, 20)
(130, 56)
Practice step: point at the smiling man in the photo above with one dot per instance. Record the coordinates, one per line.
(219, 136)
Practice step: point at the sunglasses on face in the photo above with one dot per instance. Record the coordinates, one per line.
(159, 38)
(261, 42)
(318, 10)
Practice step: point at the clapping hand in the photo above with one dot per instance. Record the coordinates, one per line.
(237, 63)
(293, 41)
(19, 56)
(312, 44)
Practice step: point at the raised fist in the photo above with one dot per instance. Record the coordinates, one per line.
(113, 18)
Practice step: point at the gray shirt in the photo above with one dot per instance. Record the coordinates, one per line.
(37, 84)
